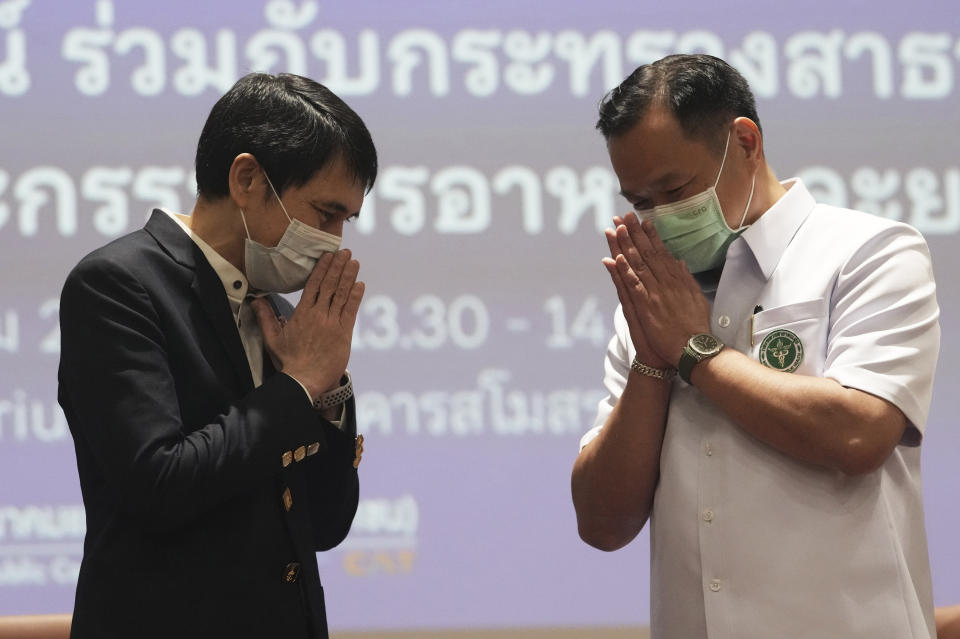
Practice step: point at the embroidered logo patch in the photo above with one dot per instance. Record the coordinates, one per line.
(781, 350)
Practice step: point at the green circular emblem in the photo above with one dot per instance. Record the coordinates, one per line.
(781, 350)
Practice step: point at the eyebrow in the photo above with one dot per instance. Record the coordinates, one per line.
(658, 183)
(339, 207)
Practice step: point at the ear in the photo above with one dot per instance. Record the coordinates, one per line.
(748, 139)
(243, 180)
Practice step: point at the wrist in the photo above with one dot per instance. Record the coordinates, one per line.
(336, 395)
(660, 374)
(650, 357)
(709, 367)
(699, 348)
(312, 384)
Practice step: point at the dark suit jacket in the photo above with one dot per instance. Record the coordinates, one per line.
(180, 458)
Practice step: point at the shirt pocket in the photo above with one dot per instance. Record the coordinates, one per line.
(792, 338)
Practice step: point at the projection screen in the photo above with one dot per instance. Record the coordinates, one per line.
(478, 350)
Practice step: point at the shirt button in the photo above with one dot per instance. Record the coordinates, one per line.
(723, 321)
(715, 585)
(708, 515)
(708, 450)
(237, 284)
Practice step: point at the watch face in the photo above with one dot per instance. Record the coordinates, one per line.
(705, 344)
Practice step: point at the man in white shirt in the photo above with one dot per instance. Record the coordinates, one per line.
(214, 425)
(781, 472)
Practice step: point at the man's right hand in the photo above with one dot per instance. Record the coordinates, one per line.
(628, 299)
(313, 346)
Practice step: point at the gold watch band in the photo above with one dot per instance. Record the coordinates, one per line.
(665, 374)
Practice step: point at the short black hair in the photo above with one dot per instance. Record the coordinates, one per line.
(291, 124)
(703, 92)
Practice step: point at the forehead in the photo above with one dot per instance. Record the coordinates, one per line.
(334, 183)
(653, 150)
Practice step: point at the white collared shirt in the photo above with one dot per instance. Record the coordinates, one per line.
(748, 542)
(236, 286)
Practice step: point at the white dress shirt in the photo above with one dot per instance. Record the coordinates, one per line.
(748, 542)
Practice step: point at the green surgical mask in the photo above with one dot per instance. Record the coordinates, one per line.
(694, 229)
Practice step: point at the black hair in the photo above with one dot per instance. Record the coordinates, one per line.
(292, 125)
(703, 92)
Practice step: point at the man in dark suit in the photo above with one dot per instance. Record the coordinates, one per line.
(213, 423)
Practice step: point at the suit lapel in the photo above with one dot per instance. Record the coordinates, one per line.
(207, 288)
(209, 291)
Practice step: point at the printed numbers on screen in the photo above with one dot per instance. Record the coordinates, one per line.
(586, 323)
(381, 324)
(50, 312)
(429, 323)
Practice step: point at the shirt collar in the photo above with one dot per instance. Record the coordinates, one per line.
(234, 282)
(770, 235)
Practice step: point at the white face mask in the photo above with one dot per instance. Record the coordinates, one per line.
(284, 268)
